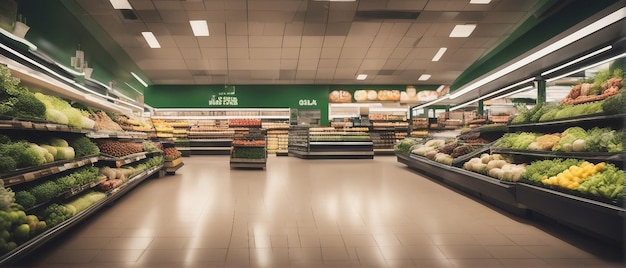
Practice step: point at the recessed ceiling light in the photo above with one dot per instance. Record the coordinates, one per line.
(481, 2)
(424, 77)
(121, 4)
(463, 30)
(439, 54)
(361, 77)
(151, 39)
(199, 27)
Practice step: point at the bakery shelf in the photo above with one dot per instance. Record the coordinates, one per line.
(38, 172)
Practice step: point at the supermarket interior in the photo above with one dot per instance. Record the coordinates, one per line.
(312, 133)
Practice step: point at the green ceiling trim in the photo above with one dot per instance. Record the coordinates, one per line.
(57, 28)
(532, 33)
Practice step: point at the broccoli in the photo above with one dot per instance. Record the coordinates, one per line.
(55, 214)
(45, 191)
(4, 139)
(83, 146)
(26, 199)
(7, 164)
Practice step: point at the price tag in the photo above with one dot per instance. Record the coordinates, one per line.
(29, 176)
(15, 180)
(46, 172)
(27, 124)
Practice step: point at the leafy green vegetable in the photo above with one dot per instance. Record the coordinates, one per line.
(615, 104)
(26, 199)
(7, 164)
(549, 115)
(22, 153)
(55, 214)
(603, 140)
(46, 191)
(404, 146)
(516, 140)
(83, 146)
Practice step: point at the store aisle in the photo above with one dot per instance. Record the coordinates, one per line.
(312, 213)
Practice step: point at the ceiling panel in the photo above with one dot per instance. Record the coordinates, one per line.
(295, 41)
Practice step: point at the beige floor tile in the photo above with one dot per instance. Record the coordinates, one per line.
(465, 252)
(454, 239)
(118, 256)
(395, 253)
(86, 243)
(305, 254)
(425, 252)
(129, 243)
(335, 254)
(353, 241)
(473, 263)
(169, 243)
(299, 213)
(331, 241)
(509, 252)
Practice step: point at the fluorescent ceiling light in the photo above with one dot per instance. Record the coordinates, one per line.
(424, 77)
(587, 67)
(513, 93)
(504, 89)
(480, 2)
(139, 79)
(151, 39)
(577, 60)
(439, 54)
(121, 4)
(587, 30)
(462, 30)
(199, 27)
(361, 77)
(456, 107)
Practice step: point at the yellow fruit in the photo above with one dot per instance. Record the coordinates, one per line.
(599, 166)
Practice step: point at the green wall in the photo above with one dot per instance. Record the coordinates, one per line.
(248, 96)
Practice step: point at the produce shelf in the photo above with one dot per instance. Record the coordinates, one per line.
(333, 154)
(340, 143)
(596, 218)
(40, 240)
(19, 124)
(34, 173)
(117, 135)
(384, 151)
(172, 170)
(248, 163)
(598, 156)
(69, 194)
(494, 191)
(587, 121)
(125, 160)
(250, 146)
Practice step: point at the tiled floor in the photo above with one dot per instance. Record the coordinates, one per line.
(313, 213)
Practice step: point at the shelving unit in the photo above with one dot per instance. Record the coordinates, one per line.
(210, 130)
(601, 217)
(328, 143)
(250, 151)
(388, 126)
(24, 178)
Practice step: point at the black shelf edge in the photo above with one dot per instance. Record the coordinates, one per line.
(574, 121)
(494, 191)
(34, 173)
(602, 156)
